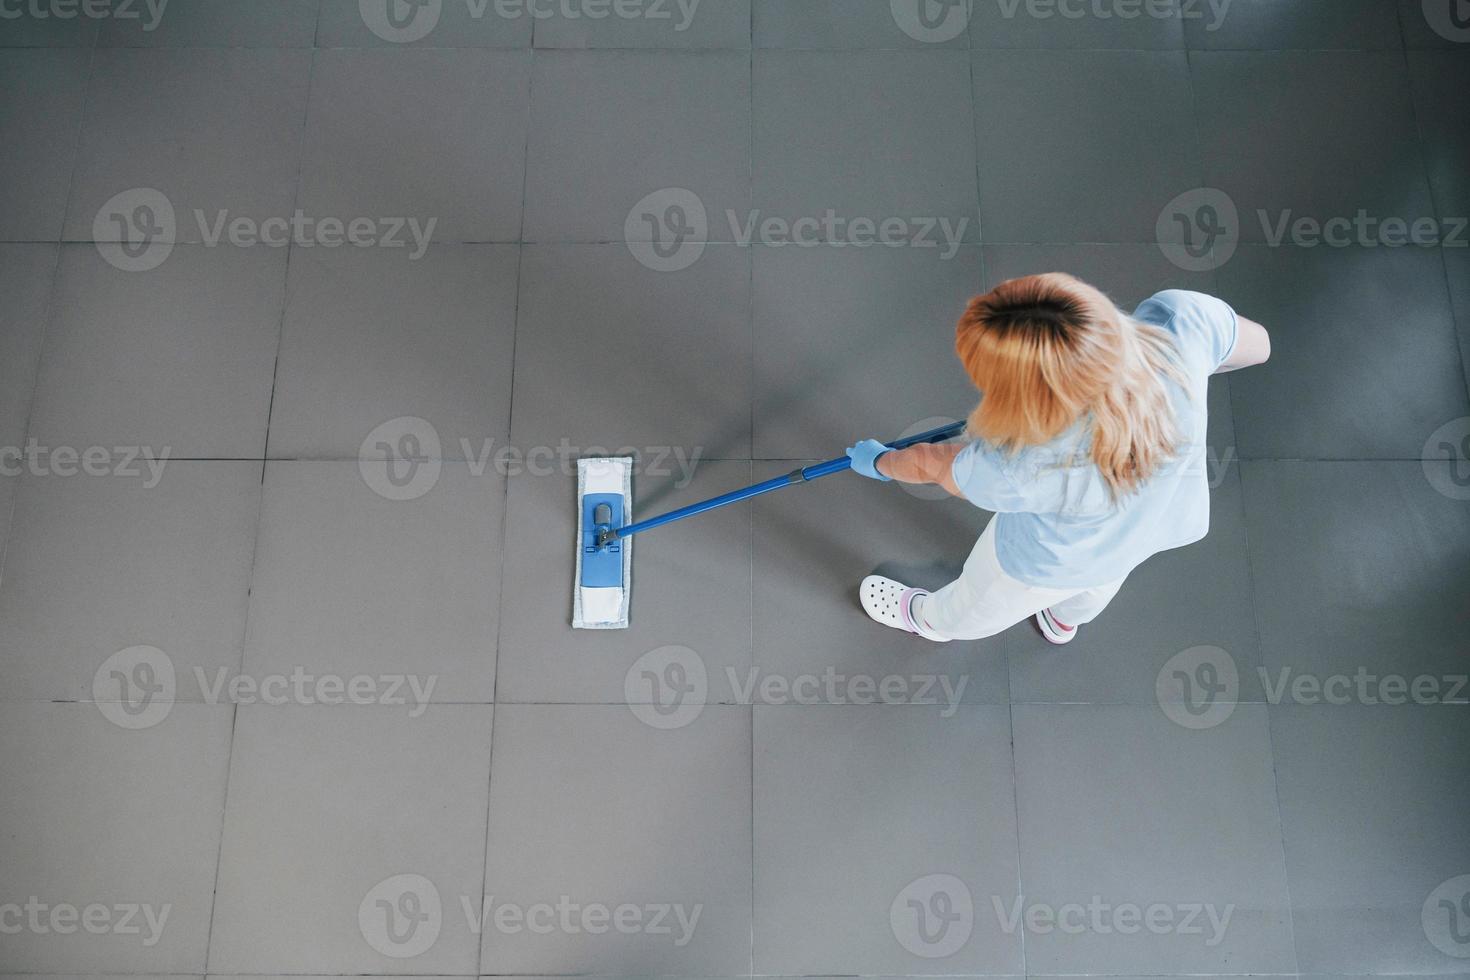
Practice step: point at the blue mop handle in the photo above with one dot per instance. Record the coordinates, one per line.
(795, 476)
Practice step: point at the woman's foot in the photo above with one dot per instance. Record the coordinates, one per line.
(892, 604)
(1053, 629)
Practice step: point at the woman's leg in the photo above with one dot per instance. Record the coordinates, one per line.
(984, 600)
(1085, 606)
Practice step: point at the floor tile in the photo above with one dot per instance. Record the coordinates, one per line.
(1060, 157)
(371, 335)
(26, 274)
(1190, 821)
(1433, 24)
(645, 24)
(606, 358)
(215, 23)
(1363, 352)
(1373, 800)
(41, 98)
(1161, 612)
(100, 564)
(216, 132)
(1321, 135)
(1047, 24)
(1129, 273)
(1440, 80)
(1376, 554)
(176, 359)
(325, 599)
(431, 135)
(611, 128)
(143, 805)
(379, 23)
(691, 589)
(671, 840)
(1457, 267)
(873, 137)
(1308, 24)
(815, 544)
(327, 876)
(837, 891)
(859, 24)
(857, 342)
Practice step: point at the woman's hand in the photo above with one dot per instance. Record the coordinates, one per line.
(865, 456)
(926, 463)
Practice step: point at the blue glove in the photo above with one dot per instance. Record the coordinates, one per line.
(864, 458)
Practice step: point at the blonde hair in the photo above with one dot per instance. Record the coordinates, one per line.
(1048, 350)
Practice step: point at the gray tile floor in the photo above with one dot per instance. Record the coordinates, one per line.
(283, 703)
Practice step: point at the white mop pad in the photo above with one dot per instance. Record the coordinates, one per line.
(603, 579)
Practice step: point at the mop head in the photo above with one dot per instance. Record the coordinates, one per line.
(604, 576)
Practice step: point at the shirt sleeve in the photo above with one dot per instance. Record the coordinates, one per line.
(982, 476)
(1204, 327)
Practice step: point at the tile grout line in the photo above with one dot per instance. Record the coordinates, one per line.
(1435, 205)
(259, 514)
(515, 333)
(55, 285)
(1250, 570)
(750, 472)
(1016, 811)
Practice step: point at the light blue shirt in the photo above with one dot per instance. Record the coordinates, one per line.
(1056, 524)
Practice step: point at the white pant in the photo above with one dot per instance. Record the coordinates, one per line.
(984, 600)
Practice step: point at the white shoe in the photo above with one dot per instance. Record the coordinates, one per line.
(891, 603)
(1054, 631)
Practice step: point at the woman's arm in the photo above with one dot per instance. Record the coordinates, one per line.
(922, 464)
(1252, 346)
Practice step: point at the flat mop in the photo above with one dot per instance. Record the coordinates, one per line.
(604, 571)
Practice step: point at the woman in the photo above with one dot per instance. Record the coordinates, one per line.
(1089, 447)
